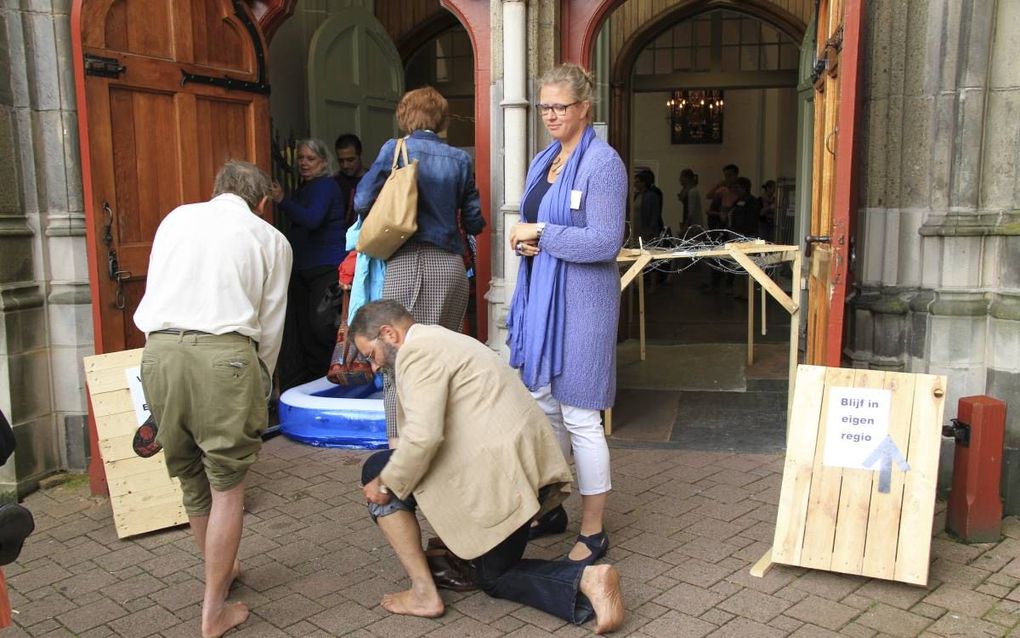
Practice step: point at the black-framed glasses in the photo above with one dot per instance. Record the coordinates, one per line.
(559, 109)
(361, 357)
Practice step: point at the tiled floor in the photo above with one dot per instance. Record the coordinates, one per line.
(685, 527)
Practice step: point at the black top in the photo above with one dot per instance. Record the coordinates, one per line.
(534, 200)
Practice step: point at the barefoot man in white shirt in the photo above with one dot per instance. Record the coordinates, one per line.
(213, 315)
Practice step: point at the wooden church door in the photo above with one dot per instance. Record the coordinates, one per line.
(833, 198)
(355, 79)
(167, 90)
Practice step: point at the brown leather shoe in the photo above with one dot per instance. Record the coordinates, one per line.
(449, 571)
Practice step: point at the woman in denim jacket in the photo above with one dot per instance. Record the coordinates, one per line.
(427, 273)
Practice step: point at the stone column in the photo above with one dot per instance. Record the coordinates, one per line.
(45, 317)
(937, 275)
(514, 142)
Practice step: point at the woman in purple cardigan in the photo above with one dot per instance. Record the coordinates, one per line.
(563, 317)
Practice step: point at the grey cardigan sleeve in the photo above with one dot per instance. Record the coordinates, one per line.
(604, 207)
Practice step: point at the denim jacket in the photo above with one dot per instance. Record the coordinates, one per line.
(446, 185)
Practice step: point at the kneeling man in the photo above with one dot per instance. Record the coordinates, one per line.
(476, 453)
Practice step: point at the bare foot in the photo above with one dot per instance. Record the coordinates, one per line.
(412, 603)
(601, 584)
(226, 618)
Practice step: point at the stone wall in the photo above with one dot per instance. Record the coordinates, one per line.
(938, 268)
(45, 316)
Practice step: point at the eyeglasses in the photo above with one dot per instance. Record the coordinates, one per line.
(361, 357)
(559, 109)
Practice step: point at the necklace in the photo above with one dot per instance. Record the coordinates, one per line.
(557, 165)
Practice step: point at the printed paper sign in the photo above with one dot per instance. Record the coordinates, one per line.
(134, 379)
(857, 422)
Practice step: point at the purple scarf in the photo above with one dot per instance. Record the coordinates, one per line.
(535, 321)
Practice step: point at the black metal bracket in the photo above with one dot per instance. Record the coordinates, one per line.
(227, 82)
(959, 431)
(97, 65)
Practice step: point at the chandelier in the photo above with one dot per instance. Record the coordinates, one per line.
(695, 116)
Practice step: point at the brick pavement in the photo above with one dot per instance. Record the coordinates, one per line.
(685, 528)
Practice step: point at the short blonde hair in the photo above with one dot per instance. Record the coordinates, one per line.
(578, 81)
(423, 108)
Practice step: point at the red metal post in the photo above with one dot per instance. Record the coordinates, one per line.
(974, 512)
(5, 603)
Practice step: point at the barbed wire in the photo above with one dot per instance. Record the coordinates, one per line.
(697, 239)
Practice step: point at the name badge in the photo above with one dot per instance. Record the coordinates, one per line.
(575, 200)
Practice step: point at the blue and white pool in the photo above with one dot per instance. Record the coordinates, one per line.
(322, 414)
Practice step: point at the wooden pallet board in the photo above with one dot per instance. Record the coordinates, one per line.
(837, 516)
(143, 497)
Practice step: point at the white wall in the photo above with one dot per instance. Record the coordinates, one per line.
(759, 136)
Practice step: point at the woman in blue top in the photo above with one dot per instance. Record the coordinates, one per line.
(427, 273)
(316, 213)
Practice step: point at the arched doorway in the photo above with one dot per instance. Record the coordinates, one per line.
(708, 90)
(151, 141)
(835, 61)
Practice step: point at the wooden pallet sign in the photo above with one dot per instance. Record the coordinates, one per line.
(858, 492)
(143, 497)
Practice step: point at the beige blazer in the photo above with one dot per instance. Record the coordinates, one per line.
(474, 446)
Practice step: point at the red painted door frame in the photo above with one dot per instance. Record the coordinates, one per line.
(845, 197)
(474, 15)
(580, 22)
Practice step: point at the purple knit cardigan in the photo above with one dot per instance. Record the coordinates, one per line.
(588, 249)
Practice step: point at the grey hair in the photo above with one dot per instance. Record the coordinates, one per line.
(318, 147)
(371, 317)
(243, 179)
(579, 81)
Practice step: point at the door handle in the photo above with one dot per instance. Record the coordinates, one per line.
(811, 240)
(119, 300)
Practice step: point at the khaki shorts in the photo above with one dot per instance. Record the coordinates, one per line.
(207, 394)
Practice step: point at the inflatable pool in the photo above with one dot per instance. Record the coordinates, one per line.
(326, 415)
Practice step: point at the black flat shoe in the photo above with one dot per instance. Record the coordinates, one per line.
(552, 522)
(597, 544)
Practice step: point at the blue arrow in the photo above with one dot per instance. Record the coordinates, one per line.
(886, 452)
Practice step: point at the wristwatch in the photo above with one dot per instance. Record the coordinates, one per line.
(541, 229)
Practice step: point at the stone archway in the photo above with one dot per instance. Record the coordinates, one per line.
(623, 65)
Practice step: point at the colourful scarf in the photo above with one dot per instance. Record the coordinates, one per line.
(536, 317)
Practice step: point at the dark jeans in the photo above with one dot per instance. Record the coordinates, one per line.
(502, 572)
(307, 340)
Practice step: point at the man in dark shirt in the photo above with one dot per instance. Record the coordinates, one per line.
(744, 221)
(348, 157)
(745, 211)
(648, 199)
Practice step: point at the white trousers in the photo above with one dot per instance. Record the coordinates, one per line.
(579, 429)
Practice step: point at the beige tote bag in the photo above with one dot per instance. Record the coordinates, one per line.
(393, 217)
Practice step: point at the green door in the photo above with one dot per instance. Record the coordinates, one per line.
(355, 78)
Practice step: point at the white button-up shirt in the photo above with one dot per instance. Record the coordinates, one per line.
(218, 267)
